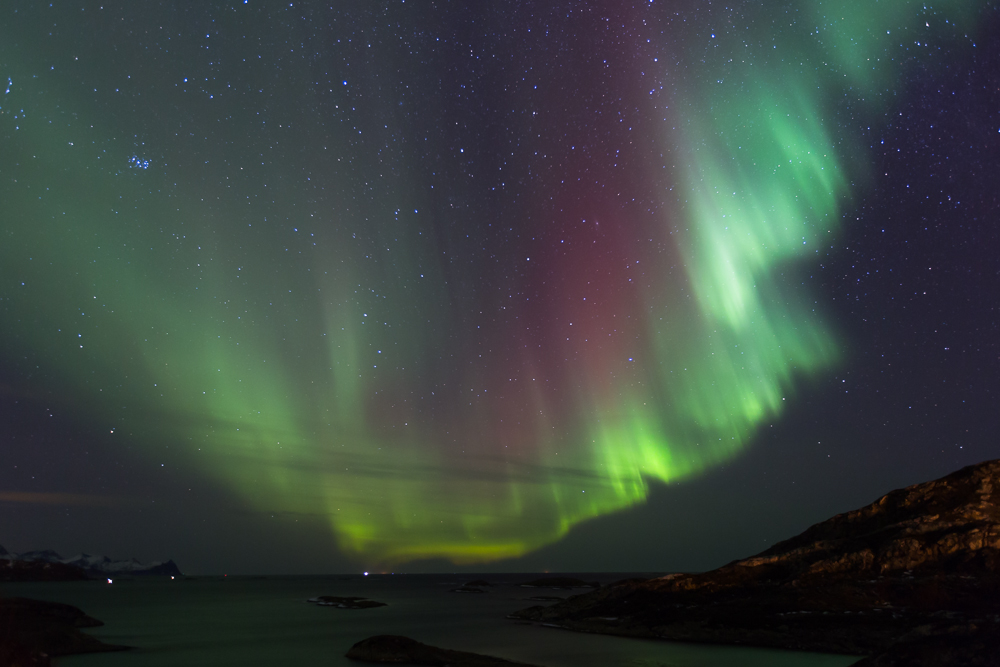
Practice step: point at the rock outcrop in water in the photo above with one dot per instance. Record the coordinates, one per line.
(32, 632)
(912, 579)
(467, 589)
(477, 583)
(396, 649)
(346, 602)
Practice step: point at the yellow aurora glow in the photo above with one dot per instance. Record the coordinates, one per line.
(348, 360)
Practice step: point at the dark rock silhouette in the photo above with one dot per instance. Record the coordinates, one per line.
(917, 573)
(477, 583)
(32, 632)
(396, 649)
(962, 646)
(467, 589)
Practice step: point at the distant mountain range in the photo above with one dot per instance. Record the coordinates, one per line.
(94, 566)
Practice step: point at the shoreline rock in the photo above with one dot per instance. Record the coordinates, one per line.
(915, 573)
(34, 631)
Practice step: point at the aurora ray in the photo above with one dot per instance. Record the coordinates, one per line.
(356, 285)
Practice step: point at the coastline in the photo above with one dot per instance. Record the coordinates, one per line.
(917, 572)
(264, 621)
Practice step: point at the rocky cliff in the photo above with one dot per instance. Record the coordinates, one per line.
(916, 573)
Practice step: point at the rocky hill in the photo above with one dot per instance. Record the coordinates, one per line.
(912, 579)
(32, 632)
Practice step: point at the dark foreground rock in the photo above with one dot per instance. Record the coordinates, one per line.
(396, 649)
(33, 631)
(912, 579)
(968, 646)
(346, 602)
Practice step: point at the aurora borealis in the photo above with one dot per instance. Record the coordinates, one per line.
(455, 278)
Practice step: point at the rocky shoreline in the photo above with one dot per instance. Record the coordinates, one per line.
(912, 579)
(32, 632)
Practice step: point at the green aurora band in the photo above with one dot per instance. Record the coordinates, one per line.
(313, 369)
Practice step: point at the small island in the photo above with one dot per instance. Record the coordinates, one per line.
(477, 583)
(353, 602)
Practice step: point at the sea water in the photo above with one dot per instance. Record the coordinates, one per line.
(247, 621)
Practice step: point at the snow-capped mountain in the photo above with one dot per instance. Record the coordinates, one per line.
(46, 555)
(97, 565)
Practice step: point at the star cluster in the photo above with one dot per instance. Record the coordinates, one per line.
(458, 278)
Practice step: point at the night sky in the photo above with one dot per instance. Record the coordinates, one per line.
(301, 287)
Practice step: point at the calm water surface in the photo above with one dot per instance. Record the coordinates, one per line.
(248, 621)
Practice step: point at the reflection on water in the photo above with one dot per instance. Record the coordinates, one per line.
(266, 621)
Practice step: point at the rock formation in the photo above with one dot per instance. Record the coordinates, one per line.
(346, 602)
(916, 573)
(477, 583)
(32, 632)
